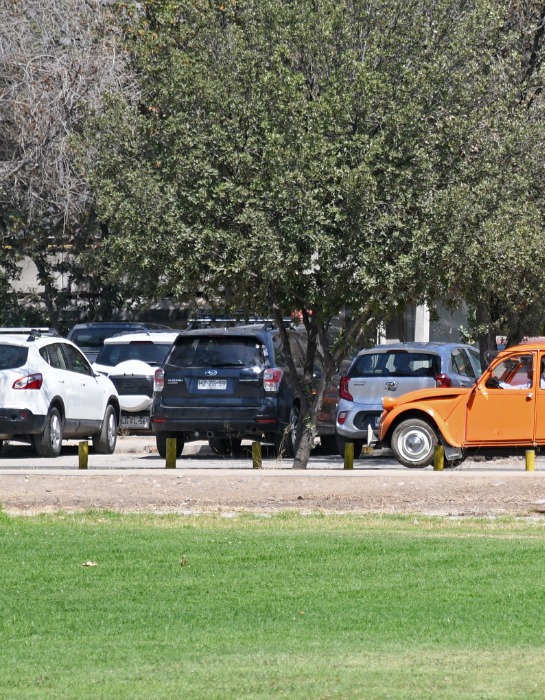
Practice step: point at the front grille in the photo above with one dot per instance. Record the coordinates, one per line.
(143, 386)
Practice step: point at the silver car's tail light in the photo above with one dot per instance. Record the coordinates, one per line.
(159, 380)
(31, 381)
(443, 381)
(272, 379)
(341, 417)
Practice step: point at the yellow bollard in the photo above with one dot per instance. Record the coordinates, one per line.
(530, 460)
(257, 461)
(438, 458)
(171, 454)
(348, 455)
(83, 454)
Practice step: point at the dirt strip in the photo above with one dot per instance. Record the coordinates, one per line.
(213, 490)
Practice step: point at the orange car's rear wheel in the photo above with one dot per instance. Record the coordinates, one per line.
(413, 443)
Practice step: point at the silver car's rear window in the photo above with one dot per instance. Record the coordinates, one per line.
(396, 364)
(12, 356)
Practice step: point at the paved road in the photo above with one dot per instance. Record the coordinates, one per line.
(139, 453)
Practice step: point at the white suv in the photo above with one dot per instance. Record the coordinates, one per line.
(48, 392)
(130, 360)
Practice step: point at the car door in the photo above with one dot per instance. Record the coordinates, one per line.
(539, 435)
(85, 396)
(501, 409)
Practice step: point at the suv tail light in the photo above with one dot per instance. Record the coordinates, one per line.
(272, 379)
(31, 381)
(158, 380)
(343, 389)
(443, 381)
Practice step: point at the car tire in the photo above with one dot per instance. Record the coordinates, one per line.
(104, 442)
(328, 444)
(341, 442)
(161, 442)
(225, 447)
(49, 442)
(413, 443)
(291, 432)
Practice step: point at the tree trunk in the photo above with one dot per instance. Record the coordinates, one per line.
(304, 448)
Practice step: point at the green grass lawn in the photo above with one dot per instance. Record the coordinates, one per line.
(283, 607)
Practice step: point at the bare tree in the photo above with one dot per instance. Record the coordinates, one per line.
(58, 58)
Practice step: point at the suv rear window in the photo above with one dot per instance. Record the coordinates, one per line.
(217, 351)
(396, 364)
(145, 350)
(12, 356)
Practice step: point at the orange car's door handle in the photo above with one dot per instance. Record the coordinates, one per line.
(529, 396)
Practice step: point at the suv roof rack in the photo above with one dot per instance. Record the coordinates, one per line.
(224, 322)
(33, 333)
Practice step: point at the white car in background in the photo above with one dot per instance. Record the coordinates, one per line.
(130, 361)
(49, 392)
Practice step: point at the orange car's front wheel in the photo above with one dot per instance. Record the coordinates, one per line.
(413, 443)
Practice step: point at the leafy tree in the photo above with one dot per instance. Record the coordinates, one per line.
(289, 154)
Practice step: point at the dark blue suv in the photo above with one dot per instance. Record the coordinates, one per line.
(230, 384)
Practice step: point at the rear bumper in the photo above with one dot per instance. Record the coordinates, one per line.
(357, 424)
(20, 421)
(210, 422)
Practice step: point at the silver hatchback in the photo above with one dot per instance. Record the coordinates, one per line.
(392, 370)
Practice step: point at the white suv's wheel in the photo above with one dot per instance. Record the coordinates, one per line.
(413, 443)
(49, 443)
(104, 442)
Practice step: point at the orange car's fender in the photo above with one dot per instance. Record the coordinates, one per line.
(427, 411)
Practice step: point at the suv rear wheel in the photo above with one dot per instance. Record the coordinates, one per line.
(413, 443)
(49, 442)
(161, 442)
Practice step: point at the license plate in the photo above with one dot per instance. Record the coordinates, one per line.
(212, 384)
(141, 422)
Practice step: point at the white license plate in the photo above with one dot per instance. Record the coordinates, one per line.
(141, 422)
(212, 384)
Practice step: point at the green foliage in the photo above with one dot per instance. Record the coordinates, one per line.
(290, 606)
(325, 155)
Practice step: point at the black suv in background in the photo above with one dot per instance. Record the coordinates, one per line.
(230, 384)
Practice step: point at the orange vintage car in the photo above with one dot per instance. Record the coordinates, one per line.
(505, 409)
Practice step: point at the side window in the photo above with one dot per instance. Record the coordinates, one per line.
(475, 360)
(461, 363)
(512, 373)
(76, 361)
(53, 355)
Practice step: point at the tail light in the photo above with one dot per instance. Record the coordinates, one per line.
(158, 380)
(272, 379)
(343, 389)
(443, 381)
(31, 381)
(341, 417)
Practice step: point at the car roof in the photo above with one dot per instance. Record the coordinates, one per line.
(249, 330)
(109, 324)
(142, 336)
(523, 347)
(25, 336)
(436, 347)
